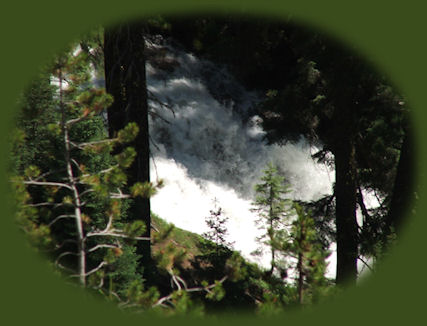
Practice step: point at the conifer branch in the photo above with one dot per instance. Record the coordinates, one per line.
(93, 143)
(102, 264)
(100, 246)
(71, 122)
(365, 263)
(44, 204)
(64, 267)
(119, 195)
(76, 164)
(207, 289)
(60, 217)
(87, 191)
(47, 183)
(66, 253)
(117, 235)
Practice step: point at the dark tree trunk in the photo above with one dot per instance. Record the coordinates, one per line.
(403, 190)
(343, 148)
(346, 223)
(125, 80)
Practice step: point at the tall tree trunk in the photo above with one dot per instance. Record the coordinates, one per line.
(81, 247)
(125, 80)
(346, 223)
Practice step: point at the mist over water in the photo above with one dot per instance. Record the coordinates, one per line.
(210, 149)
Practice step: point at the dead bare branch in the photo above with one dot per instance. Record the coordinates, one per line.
(103, 246)
(207, 289)
(60, 217)
(47, 183)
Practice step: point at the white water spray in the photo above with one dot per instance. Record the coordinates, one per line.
(212, 148)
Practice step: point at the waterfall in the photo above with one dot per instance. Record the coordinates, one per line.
(207, 145)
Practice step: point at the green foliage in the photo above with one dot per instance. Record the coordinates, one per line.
(294, 246)
(40, 154)
(303, 245)
(273, 209)
(235, 267)
(125, 158)
(93, 101)
(123, 271)
(170, 257)
(135, 229)
(39, 236)
(217, 293)
(66, 176)
(128, 133)
(145, 190)
(32, 142)
(184, 306)
(146, 299)
(332, 94)
(271, 305)
(217, 233)
(32, 172)
(115, 177)
(94, 280)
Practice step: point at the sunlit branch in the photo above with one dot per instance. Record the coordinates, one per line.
(86, 192)
(119, 195)
(207, 289)
(69, 123)
(117, 235)
(44, 204)
(67, 253)
(60, 217)
(46, 183)
(102, 246)
(102, 264)
(93, 143)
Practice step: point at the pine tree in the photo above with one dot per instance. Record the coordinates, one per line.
(217, 230)
(71, 203)
(274, 210)
(290, 234)
(304, 247)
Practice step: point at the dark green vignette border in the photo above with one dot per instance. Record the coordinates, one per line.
(389, 33)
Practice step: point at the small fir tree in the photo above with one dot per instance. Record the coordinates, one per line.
(273, 209)
(217, 233)
(304, 247)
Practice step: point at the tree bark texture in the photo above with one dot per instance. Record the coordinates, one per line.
(344, 151)
(125, 80)
(346, 223)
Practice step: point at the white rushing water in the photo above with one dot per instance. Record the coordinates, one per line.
(212, 149)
